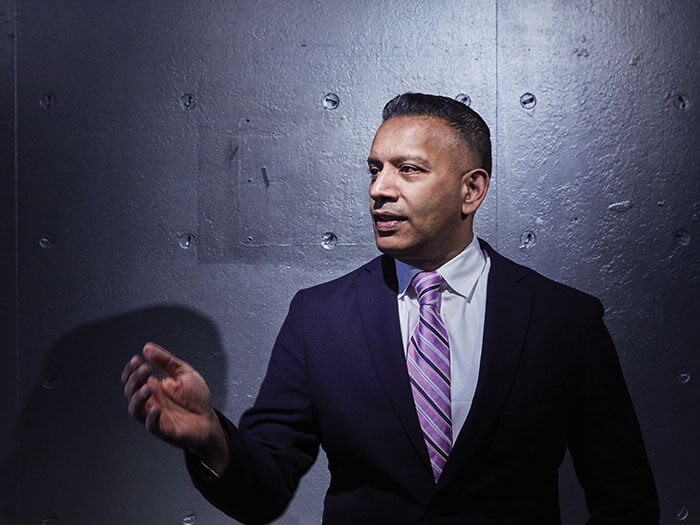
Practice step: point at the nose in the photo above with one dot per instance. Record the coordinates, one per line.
(383, 186)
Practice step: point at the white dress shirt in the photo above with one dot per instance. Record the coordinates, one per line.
(463, 310)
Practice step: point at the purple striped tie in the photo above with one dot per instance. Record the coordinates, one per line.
(428, 362)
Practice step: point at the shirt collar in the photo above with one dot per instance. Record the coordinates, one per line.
(459, 273)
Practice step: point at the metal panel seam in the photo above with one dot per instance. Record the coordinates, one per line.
(494, 164)
(16, 258)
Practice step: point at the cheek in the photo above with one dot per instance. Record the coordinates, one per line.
(439, 215)
(426, 217)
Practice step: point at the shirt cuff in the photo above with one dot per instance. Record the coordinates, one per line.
(209, 471)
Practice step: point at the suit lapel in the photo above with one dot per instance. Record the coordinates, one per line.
(376, 295)
(508, 305)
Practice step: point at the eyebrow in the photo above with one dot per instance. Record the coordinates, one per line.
(400, 160)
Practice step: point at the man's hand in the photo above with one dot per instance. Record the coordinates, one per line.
(175, 407)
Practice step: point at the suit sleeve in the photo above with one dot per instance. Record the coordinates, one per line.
(604, 437)
(276, 441)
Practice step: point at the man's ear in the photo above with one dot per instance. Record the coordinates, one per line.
(475, 184)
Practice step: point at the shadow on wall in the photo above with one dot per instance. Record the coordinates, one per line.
(83, 458)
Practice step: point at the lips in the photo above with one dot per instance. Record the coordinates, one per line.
(387, 222)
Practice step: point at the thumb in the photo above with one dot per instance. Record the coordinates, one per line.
(162, 359)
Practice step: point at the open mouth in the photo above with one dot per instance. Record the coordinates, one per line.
(387, 221)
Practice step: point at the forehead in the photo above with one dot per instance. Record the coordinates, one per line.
(424, 134)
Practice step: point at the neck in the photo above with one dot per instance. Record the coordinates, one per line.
(433, 263)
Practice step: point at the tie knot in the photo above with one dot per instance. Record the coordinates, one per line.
(427, 286)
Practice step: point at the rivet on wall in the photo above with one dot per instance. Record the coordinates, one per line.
(681, 101)
(189, 517)
(47, 241)
(47, 101)
(621, 206)
(528, 100)
(186, 240)
(582, 51)
(681, 513)
(49, 382)
(528, 239)
(331, 101)
(682, 376)
(464, 99)
(682, 238)
(329, 240)
(188, 101)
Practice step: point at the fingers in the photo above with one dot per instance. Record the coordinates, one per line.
(137, 402)
(136, 379)
(133, 363)
(145, 389)
(152, 419)
(161, 358)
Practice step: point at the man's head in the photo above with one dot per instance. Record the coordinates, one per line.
(466, 122)
(430, 163)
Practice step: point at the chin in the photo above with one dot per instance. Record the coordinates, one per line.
(389, 246)
(386, 248)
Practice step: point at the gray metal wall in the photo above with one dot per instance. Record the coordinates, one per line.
(178, 165)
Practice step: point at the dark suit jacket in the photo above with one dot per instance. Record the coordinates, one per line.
(549, 378)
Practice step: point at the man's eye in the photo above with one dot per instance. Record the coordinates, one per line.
(373, 171)
(407, 168)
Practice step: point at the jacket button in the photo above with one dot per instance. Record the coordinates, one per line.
(432, 515)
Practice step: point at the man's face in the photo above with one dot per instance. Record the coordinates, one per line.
(417, 190)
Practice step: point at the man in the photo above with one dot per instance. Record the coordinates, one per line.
(443, 381)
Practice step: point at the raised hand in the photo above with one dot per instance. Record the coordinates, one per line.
(175, 405)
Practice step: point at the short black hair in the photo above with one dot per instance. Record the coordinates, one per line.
(460, 117)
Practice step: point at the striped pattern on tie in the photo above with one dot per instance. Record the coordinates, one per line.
(428, 362)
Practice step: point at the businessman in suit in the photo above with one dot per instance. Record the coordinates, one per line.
(444, 381)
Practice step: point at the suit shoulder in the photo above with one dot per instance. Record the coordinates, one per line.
(561, 289)
(565, 298)
(557, 295)
(341, 286)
